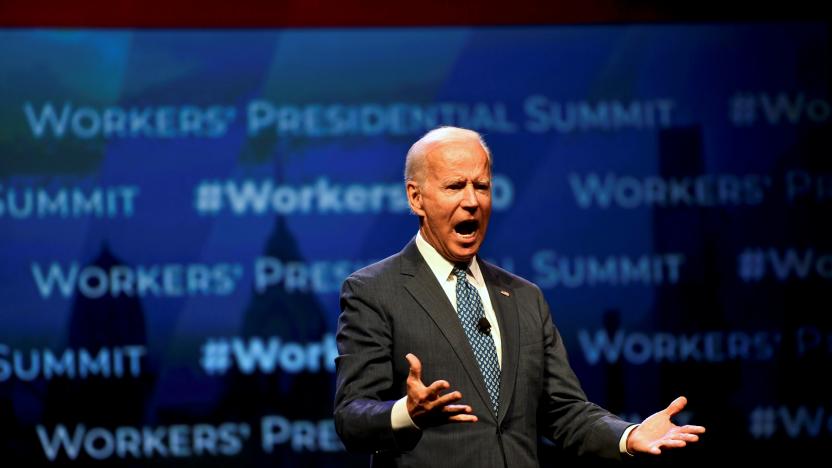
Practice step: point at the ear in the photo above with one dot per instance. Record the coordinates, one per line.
(414, 198)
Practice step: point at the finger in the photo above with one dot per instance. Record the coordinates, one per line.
(463, 418)
(687, 437)
(415, 366)
(462, 409)
(692, 429)
(672, 443)
(446, 399)
(436, 387)
(676, 406)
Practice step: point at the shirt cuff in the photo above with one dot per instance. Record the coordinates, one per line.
(400, 418)
(622, 443)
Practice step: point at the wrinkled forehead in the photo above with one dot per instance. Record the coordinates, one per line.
(458, 157)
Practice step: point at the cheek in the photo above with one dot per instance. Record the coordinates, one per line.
(445, 208)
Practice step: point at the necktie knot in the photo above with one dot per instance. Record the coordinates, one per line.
(460, 272)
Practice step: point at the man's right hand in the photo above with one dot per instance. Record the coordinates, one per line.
(426, 406)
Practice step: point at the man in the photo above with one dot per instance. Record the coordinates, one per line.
(446, 360)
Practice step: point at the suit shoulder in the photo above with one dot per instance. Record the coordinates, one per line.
(378, 283)
(377, 271)
(508, 278)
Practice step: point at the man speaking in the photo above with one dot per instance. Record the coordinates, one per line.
(446, 360)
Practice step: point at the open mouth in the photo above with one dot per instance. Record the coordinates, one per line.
(467, 228)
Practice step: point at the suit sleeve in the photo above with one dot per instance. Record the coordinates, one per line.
(363, 399)
(565, 415)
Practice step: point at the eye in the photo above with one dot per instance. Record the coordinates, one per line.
(482, 185)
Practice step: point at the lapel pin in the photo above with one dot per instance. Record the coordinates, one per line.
(505, 293)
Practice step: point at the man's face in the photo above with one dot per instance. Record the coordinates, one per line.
(454, 198)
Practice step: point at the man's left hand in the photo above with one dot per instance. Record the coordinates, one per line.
(658, 431)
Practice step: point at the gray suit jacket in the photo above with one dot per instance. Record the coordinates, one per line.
(396, 307)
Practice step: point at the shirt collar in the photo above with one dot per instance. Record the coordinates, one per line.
(441, 267)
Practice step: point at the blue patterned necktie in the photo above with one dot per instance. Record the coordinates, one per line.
(469, 309)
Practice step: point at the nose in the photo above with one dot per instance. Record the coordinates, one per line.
(470, 201)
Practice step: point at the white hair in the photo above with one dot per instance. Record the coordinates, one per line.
(414, 164)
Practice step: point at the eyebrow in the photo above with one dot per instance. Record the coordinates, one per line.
(454, 180)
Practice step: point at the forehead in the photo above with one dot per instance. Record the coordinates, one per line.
(457, 158)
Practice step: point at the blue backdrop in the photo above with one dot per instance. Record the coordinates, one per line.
(179, 208)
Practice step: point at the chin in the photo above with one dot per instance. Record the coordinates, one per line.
(466, 254)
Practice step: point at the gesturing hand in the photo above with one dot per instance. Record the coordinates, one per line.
(426, 406)
(658, 431)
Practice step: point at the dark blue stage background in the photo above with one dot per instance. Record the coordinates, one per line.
(178, 210)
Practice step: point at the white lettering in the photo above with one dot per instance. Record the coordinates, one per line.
(640, 348)
(115, 122)
(114, 362)
(544, 115)
(169, 280)
(593, 190)
(553, 270)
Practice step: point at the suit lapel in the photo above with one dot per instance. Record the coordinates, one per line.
(431, 297)
(505, 308)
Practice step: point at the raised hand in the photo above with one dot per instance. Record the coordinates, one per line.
(658, 431)
(426, 405)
